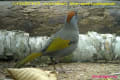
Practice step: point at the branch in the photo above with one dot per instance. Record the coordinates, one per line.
(91, 46)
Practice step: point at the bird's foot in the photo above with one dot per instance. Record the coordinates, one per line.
(59, 71)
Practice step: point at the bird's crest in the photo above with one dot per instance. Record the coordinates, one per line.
(70, 15)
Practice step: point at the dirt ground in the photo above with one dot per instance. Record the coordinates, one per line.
(75, 71)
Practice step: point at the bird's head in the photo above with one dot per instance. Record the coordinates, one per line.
(71, 18)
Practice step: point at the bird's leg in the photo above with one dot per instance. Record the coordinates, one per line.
(61, 67)
(53, 62)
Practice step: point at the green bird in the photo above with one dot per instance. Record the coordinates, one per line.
(60, 44)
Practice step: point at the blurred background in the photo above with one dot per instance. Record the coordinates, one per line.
(44, 20)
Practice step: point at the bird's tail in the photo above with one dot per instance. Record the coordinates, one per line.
(28, 59)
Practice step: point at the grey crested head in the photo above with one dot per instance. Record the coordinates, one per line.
(71, 20)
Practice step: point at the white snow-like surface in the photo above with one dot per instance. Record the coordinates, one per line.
(91, 46)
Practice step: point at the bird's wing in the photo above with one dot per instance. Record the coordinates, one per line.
(56, 44)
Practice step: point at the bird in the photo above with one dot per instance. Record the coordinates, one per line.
(60, 44)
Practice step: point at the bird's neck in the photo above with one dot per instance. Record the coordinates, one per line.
(72, 26)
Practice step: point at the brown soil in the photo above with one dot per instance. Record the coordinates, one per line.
(76, 71)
